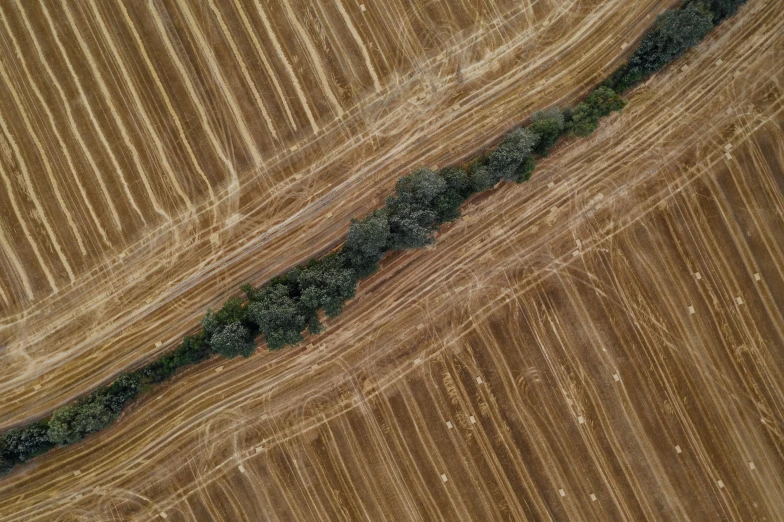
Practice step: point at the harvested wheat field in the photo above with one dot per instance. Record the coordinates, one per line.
(604, 342)
(157, 154)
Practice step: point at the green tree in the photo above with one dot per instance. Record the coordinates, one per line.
(604, 101)
(548, 125)
(232, 311)
(73, 422)
(278, 317)
(22, 444)
(366, 242)
(601, 102)
(720, 9)
(125, 388)
(458, 188)
(326, 284)
(480, 178)
(673, 33)
(526, 169)
(232, 340)
(5, 465)
(411, 210)
(506, 159)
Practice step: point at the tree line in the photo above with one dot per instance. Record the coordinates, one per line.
(291, 305)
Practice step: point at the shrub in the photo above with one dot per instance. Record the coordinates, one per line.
(458, 188)
(191, 350)
(480, 178)
(411, 210)
(232, 311)
(506, 159)
(601, 102)
(73, 422)
(366, 242)
(278, 316)
(548, 125)
(5, 465)
(526, 169)
(232, 340)
(672, 34)
(125, 388)
(720, 9)
(326, 284)
(22, 444)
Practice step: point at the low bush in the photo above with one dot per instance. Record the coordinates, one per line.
(548, 125)
(506, 159)
(411, 210)
(366, 242)
(673, 33)
(600, 103)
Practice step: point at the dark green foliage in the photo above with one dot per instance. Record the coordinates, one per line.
(232, 340)
(673, 33)
(278, 316)
(232, 311)
(584, 121)
(412, 214)
(480, 178)
(226, 332)
(604, 101)
(506, 159)
(366, 242)
(526, 169)
(71, 423)
(5, 464)
(601, 102)
(191, 350)
(125, 388)
(22, 444)
(720, 9)
(548, 125)
(325, 284)
(458, 188)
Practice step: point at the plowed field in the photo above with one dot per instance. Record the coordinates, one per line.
(156, 154)
(605, 342)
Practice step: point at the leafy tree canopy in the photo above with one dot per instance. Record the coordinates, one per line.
(366, 242)
(506, 159)
(232, 340)
(278, 316)
(411, 210)
(548, 125)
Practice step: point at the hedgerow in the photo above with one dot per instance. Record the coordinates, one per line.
(290, 305)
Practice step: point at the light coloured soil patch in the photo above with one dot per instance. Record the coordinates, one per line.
(601, 396)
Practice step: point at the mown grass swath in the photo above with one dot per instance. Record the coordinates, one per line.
(287, 307)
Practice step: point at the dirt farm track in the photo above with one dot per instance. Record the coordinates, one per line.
(605, 342)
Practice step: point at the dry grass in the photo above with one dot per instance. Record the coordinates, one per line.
(595, 377)
(143, 180)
